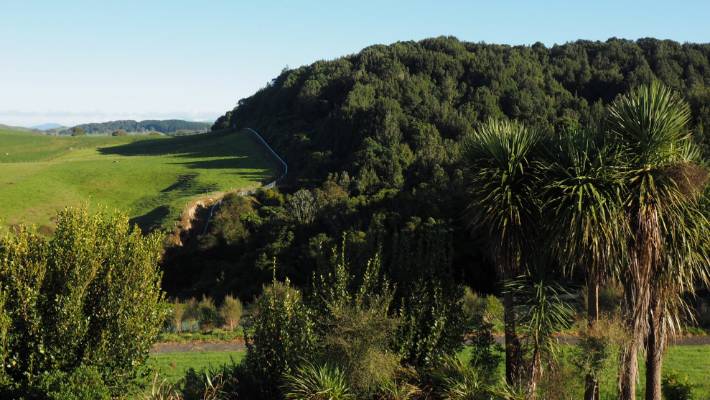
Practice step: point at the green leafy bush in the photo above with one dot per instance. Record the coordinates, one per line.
(482, 309)
(83, 383)
(89, 295)
(283, 334)
(231, 312)
(676, 387)
(356, 330)
(208, 316)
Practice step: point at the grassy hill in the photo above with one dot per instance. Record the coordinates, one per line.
(150, 178)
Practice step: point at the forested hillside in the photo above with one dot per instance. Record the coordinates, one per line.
(379, 113)
(163, 126)
(372, 141)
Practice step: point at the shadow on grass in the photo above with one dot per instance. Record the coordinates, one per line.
(151, 220)
(206, 145)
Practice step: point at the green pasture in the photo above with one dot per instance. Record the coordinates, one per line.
(151, 178)
(172, 366)
(692, 361)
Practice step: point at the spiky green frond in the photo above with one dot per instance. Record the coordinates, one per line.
(583, 199)
(504, 188)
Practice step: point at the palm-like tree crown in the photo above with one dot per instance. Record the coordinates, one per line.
(504, 188)
(583, 198)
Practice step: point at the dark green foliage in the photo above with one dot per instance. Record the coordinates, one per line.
(283, 334)
(392, 119)
(429, 297)
(83, 383)
(89, 296)
(676, 387)
(354, 323)
(165, 126)
(209, 316)
(373, 112)
(485, 352)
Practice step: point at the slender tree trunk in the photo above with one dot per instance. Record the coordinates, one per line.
(629, 370)
(655, 346)
(512, 342)
(645, 255)
(591, 384)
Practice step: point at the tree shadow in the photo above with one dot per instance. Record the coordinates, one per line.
(202, 145)
(151, 220)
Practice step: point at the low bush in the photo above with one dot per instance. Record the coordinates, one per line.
(479, 309)
(208, 316)
(312, 382)
(676, 387)
(89, 295)
(83, 383)
(283, 333)
(231, 312)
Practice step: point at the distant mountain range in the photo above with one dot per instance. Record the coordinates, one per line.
(48, 126)
(170, 126)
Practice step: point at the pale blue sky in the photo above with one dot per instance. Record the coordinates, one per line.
(93, 60)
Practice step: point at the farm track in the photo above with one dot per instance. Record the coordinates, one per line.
(190, 215)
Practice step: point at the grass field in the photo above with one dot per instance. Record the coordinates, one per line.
(172, 366)
(693, 361)
(151, 178)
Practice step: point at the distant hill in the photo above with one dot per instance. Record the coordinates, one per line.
(15, 128)
(170, 126)
(48, 126)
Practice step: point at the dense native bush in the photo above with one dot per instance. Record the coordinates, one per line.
(354, 324)
(392, 119)
(83, 383)
(89, 296)
(283, 334)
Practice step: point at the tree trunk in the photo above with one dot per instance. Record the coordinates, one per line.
(512, 342)
(629, 370)
(654, 354)
(591, 384)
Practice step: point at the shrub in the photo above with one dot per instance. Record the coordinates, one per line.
(177, 314)
(208, 316)
(161, 389)
(119, 132)
(456, 380)
(283, 333)
(312, 382)
(676, 387)
(482, 309)
(83, 383)
(90, 294)
(210, 384)
(192, 314)
(355, 328)
(231, 312)
(486, 354)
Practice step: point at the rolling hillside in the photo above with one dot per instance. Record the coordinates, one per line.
(150, 178)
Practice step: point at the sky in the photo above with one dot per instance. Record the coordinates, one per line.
(74, 61)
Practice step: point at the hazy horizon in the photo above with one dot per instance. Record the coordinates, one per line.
(80, 61)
